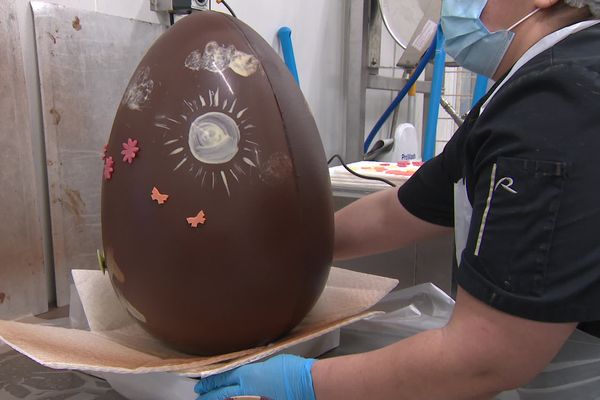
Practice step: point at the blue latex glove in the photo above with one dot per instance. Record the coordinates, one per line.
(283, 377)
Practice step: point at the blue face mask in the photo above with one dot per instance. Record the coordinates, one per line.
(468, 40)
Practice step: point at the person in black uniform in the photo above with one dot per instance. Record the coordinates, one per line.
(519, 183)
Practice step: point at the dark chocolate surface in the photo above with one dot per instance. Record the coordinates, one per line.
(255, 166)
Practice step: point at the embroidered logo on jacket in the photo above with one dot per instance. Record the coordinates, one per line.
(506, 184)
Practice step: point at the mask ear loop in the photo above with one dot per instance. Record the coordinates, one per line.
(531, 14)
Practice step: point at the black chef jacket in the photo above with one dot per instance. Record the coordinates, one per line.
(531, 164)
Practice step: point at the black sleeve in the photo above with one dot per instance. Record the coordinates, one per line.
(533, 248)
(429, 193)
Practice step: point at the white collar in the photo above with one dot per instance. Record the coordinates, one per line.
(544, 44)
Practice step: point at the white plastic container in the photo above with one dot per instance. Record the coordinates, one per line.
(407, 145)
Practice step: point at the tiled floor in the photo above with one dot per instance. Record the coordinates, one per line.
(24, 379)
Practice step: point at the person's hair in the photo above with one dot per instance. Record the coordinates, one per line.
(592, 5)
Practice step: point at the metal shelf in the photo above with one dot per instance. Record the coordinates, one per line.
(395, 84)
(362, 49)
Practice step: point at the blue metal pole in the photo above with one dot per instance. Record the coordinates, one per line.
(439, 65)
(481, 85)
(285, 37)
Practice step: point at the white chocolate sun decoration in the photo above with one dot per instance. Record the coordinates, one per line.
(214, 138)
(219, 147)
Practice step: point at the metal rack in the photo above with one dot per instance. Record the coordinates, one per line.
(362, 53)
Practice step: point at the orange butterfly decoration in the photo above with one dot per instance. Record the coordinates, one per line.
(158, 196)
(199, 219)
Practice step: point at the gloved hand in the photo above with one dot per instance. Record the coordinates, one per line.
(284, 377)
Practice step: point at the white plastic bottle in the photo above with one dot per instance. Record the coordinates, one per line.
(407, 145)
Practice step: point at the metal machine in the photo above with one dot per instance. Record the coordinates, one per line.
(175, 6)
(178, 7)
(184, 7)
(412, 24)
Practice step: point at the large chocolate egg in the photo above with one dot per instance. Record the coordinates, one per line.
(217, 217)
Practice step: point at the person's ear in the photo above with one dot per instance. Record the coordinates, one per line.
(545, 4)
